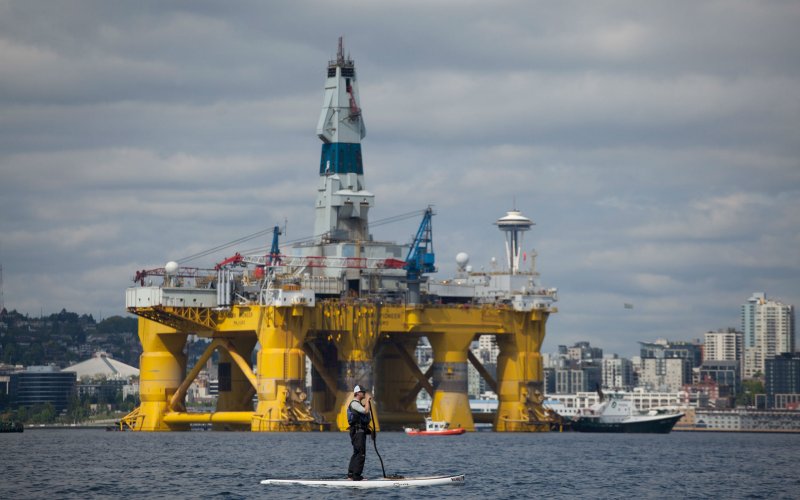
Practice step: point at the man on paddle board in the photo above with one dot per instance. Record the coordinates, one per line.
(358, 416)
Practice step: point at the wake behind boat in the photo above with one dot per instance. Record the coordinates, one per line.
(435, 428)
(384, 482)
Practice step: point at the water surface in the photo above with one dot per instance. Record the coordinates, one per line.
(86, 463)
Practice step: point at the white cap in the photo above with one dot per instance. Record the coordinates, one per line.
(357, 389)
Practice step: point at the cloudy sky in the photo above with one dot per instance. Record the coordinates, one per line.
(655, 144)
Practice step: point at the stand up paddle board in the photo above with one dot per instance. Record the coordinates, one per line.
(371, 483)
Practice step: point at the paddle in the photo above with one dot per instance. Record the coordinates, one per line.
(375, 443)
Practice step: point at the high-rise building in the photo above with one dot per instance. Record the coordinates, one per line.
(488, 349)
(782, 379)
(665, 374)
(772, 329)
(575, 369)
(749, 317)
(574, 380)
(584, 353)
(723, 345)
(617, 373)
(580, 354)
(725, 373)
(667, 365)
(691, 351)
(485, 349)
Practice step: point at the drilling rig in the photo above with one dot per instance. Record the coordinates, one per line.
(354, 307)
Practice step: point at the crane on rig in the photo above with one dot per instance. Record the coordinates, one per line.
(421, 258)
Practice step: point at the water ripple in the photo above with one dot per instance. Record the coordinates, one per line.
(79, 463)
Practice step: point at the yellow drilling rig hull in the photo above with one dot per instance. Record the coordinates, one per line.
(348, 343)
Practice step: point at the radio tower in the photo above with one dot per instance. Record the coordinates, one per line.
(2, 303)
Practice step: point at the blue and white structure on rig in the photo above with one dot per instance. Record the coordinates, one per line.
(343, 202)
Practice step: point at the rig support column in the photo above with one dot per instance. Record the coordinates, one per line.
(356, 348)
(395, 378)
(236, 390)
(281, 371)
(162, 367)
(324, 371)
(450, 398)
(520, 375)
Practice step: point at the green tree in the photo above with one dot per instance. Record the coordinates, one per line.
(42, 414)
(117, 324)
(750, 387)
(77, 411)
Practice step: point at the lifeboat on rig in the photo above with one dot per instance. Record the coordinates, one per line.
(435, 428)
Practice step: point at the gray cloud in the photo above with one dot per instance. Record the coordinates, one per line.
(655, 145)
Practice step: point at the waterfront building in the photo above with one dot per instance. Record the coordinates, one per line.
(772, 325)
(747, 420)
(617, 373)
(705, 395)
(782, 380)
(39, 385)
(104, 390)
(725, 374)
(5, 381)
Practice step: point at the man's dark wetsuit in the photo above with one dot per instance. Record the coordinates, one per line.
(358, 419)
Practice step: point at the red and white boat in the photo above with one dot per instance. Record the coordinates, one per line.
(435, 428)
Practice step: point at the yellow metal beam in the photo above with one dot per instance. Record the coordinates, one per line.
(180, 394)
(422, 379)
(412, 395)
(219, 417)
(247, 399)
(482, 371)
(240, 362)
(316, 360)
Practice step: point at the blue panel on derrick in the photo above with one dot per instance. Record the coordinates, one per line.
(341, 158)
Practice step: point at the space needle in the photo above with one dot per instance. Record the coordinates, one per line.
(514, 224)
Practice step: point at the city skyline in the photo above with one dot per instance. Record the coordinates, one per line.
(653, 146)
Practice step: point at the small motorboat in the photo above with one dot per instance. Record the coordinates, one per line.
(435, 428)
